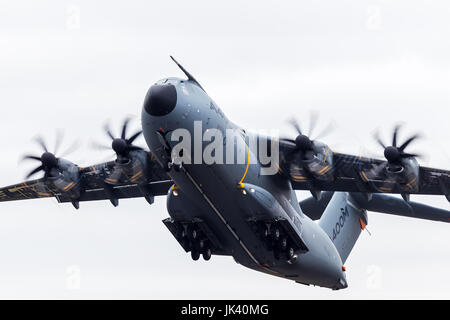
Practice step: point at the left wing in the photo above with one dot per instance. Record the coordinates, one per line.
(142, 176)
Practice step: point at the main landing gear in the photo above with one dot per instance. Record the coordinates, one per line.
(195, 237)
(278, 242)
(198, 244)
(281, 238)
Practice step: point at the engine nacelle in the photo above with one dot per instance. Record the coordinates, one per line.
(320, 166)
(406, 177)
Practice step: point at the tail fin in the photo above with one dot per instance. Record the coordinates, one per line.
(343, 220)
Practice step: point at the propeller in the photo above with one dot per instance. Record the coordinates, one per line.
(395, 153)
(122, 145)
(49, 161)
(127, 166)
(303, 144)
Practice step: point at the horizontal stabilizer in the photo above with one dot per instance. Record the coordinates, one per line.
(315, 208)
(378, 203)
(391, 205)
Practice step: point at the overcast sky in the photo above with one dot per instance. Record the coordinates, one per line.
(364, 65)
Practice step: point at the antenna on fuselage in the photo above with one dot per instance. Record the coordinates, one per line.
(190, 76)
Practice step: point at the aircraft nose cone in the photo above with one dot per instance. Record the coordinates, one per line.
(160, 100)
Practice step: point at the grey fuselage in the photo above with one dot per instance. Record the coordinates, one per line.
(228, 196)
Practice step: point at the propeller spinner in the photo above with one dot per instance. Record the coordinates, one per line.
(123, 145)
(49, 162)
(303, 145)
(395, 154)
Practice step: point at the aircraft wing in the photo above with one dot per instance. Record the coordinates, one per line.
(106, 181)
(349, 173)
(32, 189)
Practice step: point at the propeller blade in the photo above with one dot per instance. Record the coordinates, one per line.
(31, 158)
(295, 124)
(378, 139)
(407, 155)
(41, 142)
(287, 143)
(394, 138)
(72, 148)
(313, 117)
(124, 128)
(407, 142)
(134, 148)
(108, 131)
(58, 140)
(133, 137)
(99, 146)
(34, 171)
(326, 131)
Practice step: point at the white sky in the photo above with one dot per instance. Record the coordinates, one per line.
(74, 65)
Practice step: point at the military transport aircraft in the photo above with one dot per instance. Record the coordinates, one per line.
(236, 208)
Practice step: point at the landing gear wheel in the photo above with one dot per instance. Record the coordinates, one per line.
(195, 255)
(276, 234)
(276, 254)
(194, 234)
(290, 253)
(283, 243)
(267, 232)
(185, 243)
(207, 254)
(202, 244)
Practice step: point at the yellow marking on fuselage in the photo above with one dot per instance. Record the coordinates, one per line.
(241, 184)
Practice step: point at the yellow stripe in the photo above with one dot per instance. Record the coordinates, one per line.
(69, 186)
(324, 170)
(300, 178)
(137, 175)
(411, 182)
(364, 176)
(240, 184)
